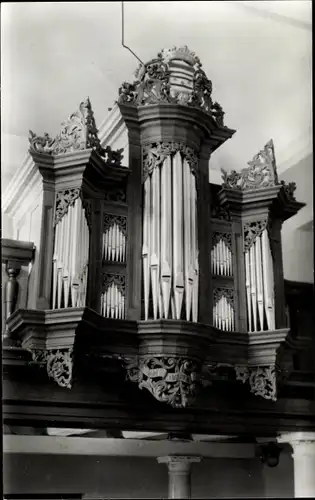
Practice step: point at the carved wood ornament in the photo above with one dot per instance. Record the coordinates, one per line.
(58, 363)
(77, 133)
(262, 380)
(154, 155)
(160, 80)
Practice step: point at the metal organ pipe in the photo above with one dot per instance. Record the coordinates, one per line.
(70, 258)
(169, 250)
(260, 284)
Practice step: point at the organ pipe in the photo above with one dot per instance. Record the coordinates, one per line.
(70, 258)
(221, 256)
(260, 284)
(169, 250)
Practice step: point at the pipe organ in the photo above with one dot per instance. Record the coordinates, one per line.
(259, 279)
(170, 246)
(113, 296)
(71, 251)
(114, 238)
(182, 274)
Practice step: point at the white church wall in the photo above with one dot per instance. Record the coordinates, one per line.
(111, 478)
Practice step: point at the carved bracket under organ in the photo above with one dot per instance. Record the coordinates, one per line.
(170, 248)
(113, 298)
(114, 238)
(169, 379)
(71, 250)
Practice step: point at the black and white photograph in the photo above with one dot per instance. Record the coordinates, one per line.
(157, 242)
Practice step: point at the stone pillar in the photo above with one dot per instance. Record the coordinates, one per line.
(179, 471)
(303, 446)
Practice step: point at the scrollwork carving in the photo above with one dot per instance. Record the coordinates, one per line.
(114, 279)
(253, 230)
(157, 81)
(59, 364)
(261, 172)
(154, 155)
(65, 199)
(120, 220)
(171, 380)
(262, 380)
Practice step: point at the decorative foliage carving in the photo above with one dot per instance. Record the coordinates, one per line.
(40, 144)
(253, 230)
(154, 155)
(157, 81)
(171, 380)
(261, 172)
(228, 293)
(59, 364)
(262, 380)
(120, 220)
(77, 133)
(114, 279)
(65, 199)
(226, 237)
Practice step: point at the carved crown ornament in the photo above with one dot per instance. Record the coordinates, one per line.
(77, 133)
(174, 76)
(261, 173)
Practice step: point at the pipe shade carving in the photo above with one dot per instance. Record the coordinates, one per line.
(170, 380)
